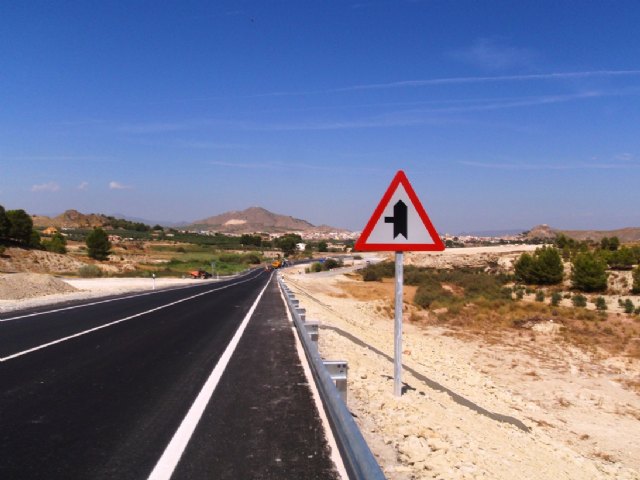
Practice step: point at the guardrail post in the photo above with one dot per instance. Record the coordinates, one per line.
(313, 327)
(302, 312)
(338, 371)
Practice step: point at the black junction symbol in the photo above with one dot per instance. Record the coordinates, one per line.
(399, 219)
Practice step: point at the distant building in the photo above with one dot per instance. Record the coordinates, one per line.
(50, 231)
(301, 246)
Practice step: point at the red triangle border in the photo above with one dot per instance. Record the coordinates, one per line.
(362, 244)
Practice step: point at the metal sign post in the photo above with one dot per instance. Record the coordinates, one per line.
(397, 327)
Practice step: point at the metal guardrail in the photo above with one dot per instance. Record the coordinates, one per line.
(357, 457)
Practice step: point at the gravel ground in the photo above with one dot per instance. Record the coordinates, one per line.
(472, 410)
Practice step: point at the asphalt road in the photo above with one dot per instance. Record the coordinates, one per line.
(109, 390)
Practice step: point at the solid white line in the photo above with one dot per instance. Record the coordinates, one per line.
(171, 455)
(331, 440)
(35, 314)
(115, 322)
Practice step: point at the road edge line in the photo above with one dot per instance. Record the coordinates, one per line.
(336, 457)
(170, 458)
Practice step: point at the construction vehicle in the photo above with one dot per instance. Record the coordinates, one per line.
(199, 274)
(276, 264)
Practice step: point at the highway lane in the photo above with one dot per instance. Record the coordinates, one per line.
(22, 330)
(107, 403)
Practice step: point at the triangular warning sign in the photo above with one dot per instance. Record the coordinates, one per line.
(399, 223)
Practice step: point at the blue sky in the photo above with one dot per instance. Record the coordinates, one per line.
(503, 114)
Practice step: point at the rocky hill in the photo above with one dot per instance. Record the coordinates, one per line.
(256, 219)
(626, 235)
(71, 219)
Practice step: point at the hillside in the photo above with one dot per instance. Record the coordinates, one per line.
(71, 219)
(626, 235)
(257, 219)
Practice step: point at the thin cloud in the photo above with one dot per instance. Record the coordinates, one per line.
(488, 54)
(46, 187)
(486, 79)
(83, 186)
(549, 166)
(113, 185)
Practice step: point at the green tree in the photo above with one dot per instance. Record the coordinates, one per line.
(5, 225)
(287, 243)
(579, 300)
(635, 287)
(543, 268)
(35, 240)
(98, 245)
(589, 273)
(628, 306)
(323, 246)
(20, 226)
(556, 297)
(57, 244)
(622, 259)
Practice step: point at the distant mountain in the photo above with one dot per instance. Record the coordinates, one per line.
(629, 234)
(257, 219)
(71, 219)
(493, 233)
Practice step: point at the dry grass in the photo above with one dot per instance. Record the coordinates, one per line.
(368, 291)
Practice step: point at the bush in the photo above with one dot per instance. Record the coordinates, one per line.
(600, 303)
(519, 294)
(57, 244)
(555, 298)
(90, 271)
(589, 273)
(428, 292)
(316, 267)
(628, 306)
(543, 268)
(635, 287)
(579, 300)
(539, 296)
(331, 263)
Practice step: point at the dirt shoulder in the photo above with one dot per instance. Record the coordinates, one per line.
(27, 290)
(519, 409)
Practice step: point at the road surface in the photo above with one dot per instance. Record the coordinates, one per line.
(200, 382)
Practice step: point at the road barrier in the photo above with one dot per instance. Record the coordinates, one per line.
(331, 377)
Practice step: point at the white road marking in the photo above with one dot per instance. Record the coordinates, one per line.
(172, 454)
(115, 322)
(35, 314)
(331, 440)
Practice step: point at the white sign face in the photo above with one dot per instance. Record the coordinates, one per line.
(389, 229)
(400, 222)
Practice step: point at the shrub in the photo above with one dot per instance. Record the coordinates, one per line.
(430, 291)
(622, 259)
(331, 263)
(555, 298)
(543, 268)
(539, 296)
(316, 267)
(589, 273)
(628, 306)
(57, 244)
(2, 249)
(579, 300)
(519, 294)
(370, 276)
(635, 287)
(90, 271)
(600, 303)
